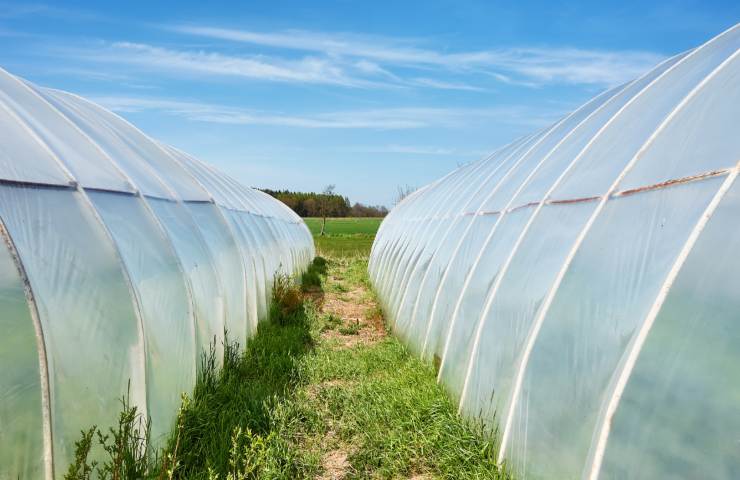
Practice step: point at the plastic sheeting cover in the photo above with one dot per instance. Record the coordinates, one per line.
(137, 257)
(581, 301)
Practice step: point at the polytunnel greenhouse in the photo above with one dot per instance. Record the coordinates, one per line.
(578, 289)
(122, 260)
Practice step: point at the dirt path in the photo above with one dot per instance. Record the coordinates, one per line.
(368, 407)
(353, 318)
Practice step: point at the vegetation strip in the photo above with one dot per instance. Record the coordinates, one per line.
(321, 391)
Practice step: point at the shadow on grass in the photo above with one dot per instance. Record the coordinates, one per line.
(312, 278)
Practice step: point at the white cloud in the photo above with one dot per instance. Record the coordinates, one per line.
(26, 9)
(359, 61)
(424, 150)
(443, 85)
(511, 65)
(327, 70)
(378, 119)
(304, 70)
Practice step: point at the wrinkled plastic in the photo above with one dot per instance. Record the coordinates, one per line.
(534, 295)
(21, 440)
(138, 258)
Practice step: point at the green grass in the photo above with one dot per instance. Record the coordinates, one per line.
(344, 226)
(293, 396)
(344, 237)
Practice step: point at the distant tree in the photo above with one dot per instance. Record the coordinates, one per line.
(326, 206)
(310, 207)
(360, 210)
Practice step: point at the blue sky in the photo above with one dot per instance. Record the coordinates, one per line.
(366, 95)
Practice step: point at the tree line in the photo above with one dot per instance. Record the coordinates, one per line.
(325, 204)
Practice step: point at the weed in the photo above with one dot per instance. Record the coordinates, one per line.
(353, 328)
(82, 468)
(330, 322)
(126, 449)
(337, 287)
(286, 301)
(373, 312)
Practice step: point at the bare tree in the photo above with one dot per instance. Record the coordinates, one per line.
(325, 206)
(403, 192)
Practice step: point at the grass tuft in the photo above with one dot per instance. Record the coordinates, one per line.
(352, 328)
(286, 305)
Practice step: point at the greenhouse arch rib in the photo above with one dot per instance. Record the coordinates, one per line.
(514, 248)
(503, 212)
(407, 257)
(537, 139)
(449, 231)
(48, 446)
(433, 198)
(520, 239)
(551, 294)
(449, 213)
(520, 144)
(636, 347)
(406, 203)
(152, 216)
(104, 228)
(141, 198)
(221, 217)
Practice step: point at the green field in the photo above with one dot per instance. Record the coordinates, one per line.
(344, 236)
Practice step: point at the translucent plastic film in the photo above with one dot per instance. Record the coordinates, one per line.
(678, 414)
(607, 291)
(21, 430)
(227, 261)
(701, 137)
(91, 330)
(492, 366)
(458, 341)
(159, 285)
(531, 291)
(123, 154)
(197, 265)
(85, 160)
(17, 141)
(634, 125)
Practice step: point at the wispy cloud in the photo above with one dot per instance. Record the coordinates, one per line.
(27, 9)
(424, 150)
(378, 119)
(361, 61)
(511, 65)
(444, 85)
(308, 69)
